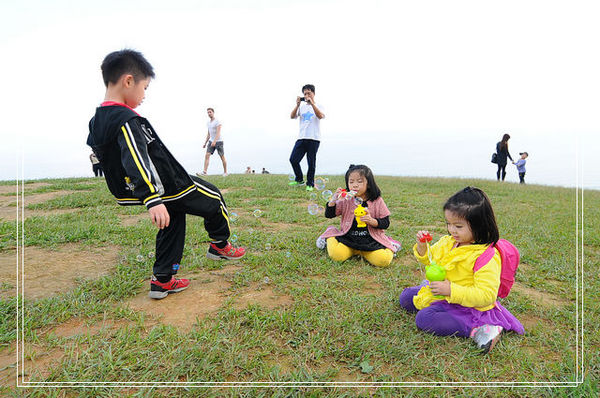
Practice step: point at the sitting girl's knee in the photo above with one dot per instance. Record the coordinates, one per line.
(406, 300)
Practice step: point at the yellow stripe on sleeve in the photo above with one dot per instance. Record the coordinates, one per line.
(137, 161)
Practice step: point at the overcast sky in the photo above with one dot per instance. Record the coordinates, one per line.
(395, 70)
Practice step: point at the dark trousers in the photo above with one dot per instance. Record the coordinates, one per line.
(97, 170)
(522, 178)
(204, 201)
(308, 148)
(501, 171)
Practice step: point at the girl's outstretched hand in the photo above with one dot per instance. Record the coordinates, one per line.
(335, 197)
(422, 238)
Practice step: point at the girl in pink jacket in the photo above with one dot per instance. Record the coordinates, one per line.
(368, 241)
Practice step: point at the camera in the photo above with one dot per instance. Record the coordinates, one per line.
(302, 99)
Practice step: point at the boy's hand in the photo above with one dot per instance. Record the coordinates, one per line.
(160, 216)
(213, 144)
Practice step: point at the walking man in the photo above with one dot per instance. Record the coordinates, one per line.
(214, 139)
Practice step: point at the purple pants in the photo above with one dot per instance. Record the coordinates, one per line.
(445, 319)
(433, 319)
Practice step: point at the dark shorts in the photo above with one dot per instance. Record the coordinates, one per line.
(219, 147)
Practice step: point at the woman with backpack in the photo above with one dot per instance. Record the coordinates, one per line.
(465, 303)
(501, 155)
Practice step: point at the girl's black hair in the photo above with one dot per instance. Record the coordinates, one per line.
(474, 206)
(373, 191)
(504, 142)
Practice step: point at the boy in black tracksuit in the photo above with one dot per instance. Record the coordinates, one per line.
(139, 169)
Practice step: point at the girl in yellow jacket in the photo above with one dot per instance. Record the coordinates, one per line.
(464, 304)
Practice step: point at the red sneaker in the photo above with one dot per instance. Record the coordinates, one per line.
(160, 290)
(229, 252)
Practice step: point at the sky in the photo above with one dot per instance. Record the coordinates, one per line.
(409, 88)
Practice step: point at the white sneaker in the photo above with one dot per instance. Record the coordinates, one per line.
(225, 174)
(321, 243)
(486, 336)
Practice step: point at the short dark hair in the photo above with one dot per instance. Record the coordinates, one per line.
(475, 207)
(125, 61)
(310, 87)
(373, 191)
(210, 109)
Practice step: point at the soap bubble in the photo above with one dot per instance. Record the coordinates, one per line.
(233, 238)
(266, 281)
(288, 254)
(313, 209)
(320, 209)
(257, 213)
(326, 195)
(291, 177)
(139, 258)
(320, 183)
(150, 254)
(312, 196)
(358, 201)
(267, 246)
(233, 216)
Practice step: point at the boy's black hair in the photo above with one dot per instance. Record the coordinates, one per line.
(310, 87)
(125, 61)
(373, 191)
(474, 206)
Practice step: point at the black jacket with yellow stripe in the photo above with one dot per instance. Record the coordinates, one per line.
(138, 168)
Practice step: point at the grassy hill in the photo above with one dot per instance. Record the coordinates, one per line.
(285, 312)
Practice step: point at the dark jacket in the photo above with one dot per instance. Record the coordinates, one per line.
(502, 154)
(138, 168)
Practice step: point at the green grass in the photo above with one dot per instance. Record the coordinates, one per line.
(343, 320)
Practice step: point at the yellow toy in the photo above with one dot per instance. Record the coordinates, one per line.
(359, 212)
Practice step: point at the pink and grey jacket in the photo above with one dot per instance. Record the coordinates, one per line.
(377, 209)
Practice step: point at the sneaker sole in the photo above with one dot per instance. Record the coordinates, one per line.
(156, 295)
(222, 256)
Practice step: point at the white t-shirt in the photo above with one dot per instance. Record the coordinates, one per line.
(309, 122)
(212, 129)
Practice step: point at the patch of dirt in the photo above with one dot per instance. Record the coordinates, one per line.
(542, 298)
(11, 189)
(8, 209)
(39, 360)
(49, 272)
(129, 220)
(206, 295)
(78, 326)
(531, 322)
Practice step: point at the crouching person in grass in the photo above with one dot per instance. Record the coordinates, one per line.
(139, 169)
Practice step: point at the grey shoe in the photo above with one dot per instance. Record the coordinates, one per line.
(486, 336)
(321, 243)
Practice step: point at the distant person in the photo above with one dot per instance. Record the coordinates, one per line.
(140, 170)
(264, 171)
(367, 240)
(214, 139)
(248, 170)
(309, 136)
(521, 166)
(96, 166)
(502, 153)
(469, 306)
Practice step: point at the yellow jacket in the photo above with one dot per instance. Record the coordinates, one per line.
(467, 288)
